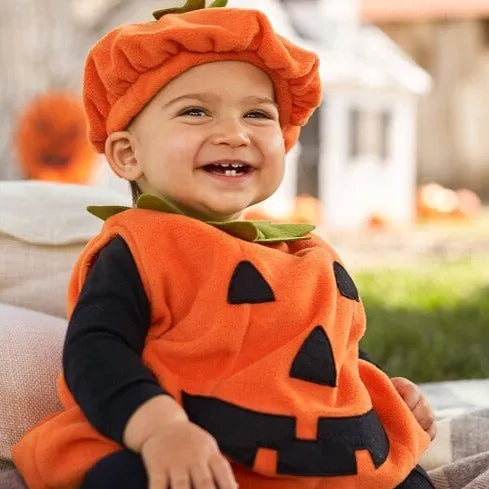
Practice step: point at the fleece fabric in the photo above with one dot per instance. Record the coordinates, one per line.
(259, 344)
(132, 63)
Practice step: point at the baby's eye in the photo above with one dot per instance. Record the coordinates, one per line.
(259, 114)
(194, 112)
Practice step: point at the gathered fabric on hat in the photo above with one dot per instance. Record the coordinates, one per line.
(129, 66)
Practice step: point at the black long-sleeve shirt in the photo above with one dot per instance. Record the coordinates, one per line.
(105, 340)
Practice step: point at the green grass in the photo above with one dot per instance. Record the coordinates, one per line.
(429, 322)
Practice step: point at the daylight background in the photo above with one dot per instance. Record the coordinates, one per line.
(393, 168)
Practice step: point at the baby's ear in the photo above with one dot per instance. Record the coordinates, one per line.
(121, 155)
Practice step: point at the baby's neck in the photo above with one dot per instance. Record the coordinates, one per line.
(177, 208)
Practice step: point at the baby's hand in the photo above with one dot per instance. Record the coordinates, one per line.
(417, 403)
(181, 455)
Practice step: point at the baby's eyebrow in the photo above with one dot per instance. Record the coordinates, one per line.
(196, 96)
(204, 97)
(261, 100)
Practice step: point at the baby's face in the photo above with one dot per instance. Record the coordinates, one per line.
(210, 140)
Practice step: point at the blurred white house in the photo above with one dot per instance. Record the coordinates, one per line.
(363, 137)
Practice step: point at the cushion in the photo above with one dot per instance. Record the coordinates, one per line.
(32, 345)
(43, 228)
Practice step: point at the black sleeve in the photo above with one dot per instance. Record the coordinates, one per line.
(105, 339)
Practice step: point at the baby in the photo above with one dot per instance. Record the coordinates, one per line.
(204, 351)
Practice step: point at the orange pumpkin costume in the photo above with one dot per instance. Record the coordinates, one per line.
(274, 373)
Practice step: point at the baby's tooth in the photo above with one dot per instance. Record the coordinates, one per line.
(225, 165)
(236, 165)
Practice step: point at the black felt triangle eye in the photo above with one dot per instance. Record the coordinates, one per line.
(315, 362)
(248, 286)
(344, 282)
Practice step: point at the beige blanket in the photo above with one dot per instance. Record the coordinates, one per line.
(459, 456)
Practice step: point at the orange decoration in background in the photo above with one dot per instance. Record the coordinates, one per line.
(307, 210)
(469, 203)
(52, 141)
(256, 213)
(377, 222)
(434, 202)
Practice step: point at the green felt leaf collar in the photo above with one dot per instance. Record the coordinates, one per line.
(254, 231)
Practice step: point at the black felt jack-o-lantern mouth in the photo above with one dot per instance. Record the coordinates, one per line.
(241, 432)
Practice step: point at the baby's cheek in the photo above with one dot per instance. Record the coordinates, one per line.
(275, 142)
(273, 147)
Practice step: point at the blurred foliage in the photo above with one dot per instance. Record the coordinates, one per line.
(429, 322)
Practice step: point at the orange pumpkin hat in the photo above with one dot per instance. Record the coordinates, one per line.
(128, 66)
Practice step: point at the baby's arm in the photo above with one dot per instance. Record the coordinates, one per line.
(105, 340)
(118, 394)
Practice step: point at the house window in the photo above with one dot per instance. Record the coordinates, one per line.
(385, 134)
(354, 132)
(369, 133)
(310, 155)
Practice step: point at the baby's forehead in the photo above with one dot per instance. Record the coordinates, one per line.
(221, 81)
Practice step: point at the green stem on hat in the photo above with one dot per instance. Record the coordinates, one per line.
(188, 7)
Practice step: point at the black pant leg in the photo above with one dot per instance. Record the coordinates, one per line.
(120, 470)
(417, 479)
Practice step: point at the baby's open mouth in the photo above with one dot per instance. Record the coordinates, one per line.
(228, 169)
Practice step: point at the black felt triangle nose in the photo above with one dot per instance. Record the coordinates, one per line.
(345, 283)
(248, 286)
(315, 362)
